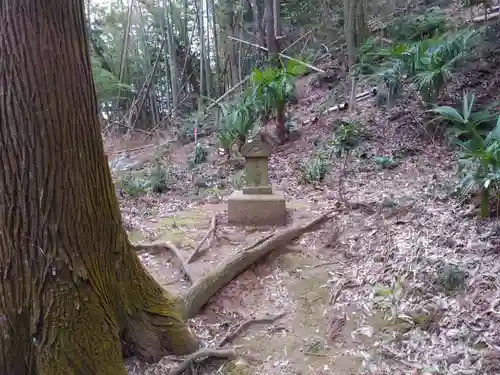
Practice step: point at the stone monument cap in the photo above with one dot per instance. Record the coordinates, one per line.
(256, 149)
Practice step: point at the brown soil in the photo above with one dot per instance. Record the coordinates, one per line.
(400, 223)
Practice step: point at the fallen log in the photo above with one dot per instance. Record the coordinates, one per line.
(206, 287)
(201, 354)
(158, 246)
(210, 231)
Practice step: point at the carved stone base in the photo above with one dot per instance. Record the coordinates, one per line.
(258, 190)
(256, 209)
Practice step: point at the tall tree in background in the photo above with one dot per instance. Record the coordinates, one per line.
(72, 288)
(272, 45)
(355, 33)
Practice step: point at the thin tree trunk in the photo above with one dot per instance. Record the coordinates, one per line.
(124, 57)
(350, 32)
(71, 287)
(201, 28)
(219, 86)
(241, 59)
(272, 46)
(277, 18)
(208, 68)
(171, 48)
(259, 34)
(232, 48)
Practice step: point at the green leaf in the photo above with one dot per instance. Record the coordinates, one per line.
(383, 292)
(295, 68)
(494, 134)
(448, 113)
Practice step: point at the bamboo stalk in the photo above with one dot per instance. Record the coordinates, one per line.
(279, 54)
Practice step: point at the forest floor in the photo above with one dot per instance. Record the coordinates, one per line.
(403, 280)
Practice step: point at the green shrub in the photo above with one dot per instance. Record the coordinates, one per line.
(452, 278)
(200, 154)
(272, 88)
(158, 179)
(385, 162)
(133, 184)
(226, 137)
(346, 137)
(413, 28)
(464, 122)
(237, 121)
(313, 170)
(428, 64)
(479, 166)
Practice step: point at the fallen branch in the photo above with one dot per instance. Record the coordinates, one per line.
(279, 54)
(203, 354)
(210, 231)
(157, 246)
(343, 106)
(490, 16)
(337, 289)
(232, 333)
(131, 149)
(205, 288)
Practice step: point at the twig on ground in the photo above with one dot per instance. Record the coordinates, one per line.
(232, 333)
(322, 264)
(206, 287)
(178, 254)
(342, 177)
(210, 231)
(203, 354)
(157, 246)
(336, 290)
(316, 354)
(131, 149)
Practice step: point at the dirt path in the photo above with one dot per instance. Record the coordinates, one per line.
(333, 284)
(403, 281)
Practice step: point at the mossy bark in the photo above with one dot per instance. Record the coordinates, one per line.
(72, 289)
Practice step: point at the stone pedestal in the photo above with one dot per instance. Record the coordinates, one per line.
(256, 204)
(256, 209)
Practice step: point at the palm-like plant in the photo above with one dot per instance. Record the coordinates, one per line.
(428, 63)
(480, 166)
(237, 121)
(272, 87)
(466, 122)
(434, 59)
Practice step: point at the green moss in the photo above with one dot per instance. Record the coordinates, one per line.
(183, 219)
(236, 367)
(136, 236)
(311, 297)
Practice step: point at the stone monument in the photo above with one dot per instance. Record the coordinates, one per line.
(256, 203)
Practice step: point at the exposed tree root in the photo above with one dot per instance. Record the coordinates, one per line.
(232, 333)
(201, 354)
(210, 231)
(205, 288)
(158, 246)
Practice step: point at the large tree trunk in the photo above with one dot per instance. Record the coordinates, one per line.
(71, 287)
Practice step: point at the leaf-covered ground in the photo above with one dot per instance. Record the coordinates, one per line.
(403, 281)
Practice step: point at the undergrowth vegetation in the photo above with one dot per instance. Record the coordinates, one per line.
(268, 94)
(416, 55)
(420, 53)
(136, 183)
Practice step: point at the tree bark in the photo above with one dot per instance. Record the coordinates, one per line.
(272, 45)
(259, 34)
(277, 17)
(71, 287)
(350, 34)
